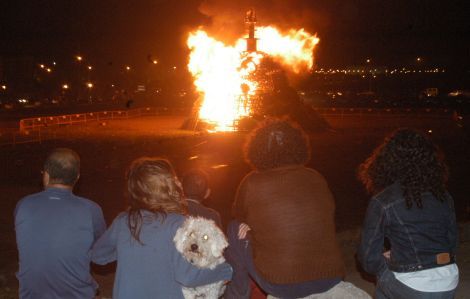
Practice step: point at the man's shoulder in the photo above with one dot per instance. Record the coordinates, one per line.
(87, 202)
(33, 196)
(23, 202)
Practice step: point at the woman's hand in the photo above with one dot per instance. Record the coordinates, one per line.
(243, 229)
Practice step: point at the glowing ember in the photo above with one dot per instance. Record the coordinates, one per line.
(222, 72)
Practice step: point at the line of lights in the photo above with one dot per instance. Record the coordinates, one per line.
(376, 71)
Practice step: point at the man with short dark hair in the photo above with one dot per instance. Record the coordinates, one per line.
(196, 190)
(55, 230)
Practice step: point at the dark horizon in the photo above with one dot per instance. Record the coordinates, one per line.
(124, 32)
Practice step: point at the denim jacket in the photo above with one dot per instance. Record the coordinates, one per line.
(416, 235)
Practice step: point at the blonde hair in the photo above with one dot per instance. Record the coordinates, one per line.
(152, 185)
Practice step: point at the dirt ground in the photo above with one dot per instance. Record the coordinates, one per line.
(107, 149)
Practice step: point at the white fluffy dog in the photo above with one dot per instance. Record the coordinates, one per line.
(202, 243)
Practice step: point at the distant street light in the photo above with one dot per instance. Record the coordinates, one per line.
(79, 58)
(89, 85)
(48, 70)
(368, 60)
(65, 86)
(155, 61)
(128, 68)
(4, 87)
(42, 66)
(418, 59)
(90, 67)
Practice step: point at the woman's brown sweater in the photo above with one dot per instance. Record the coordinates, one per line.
(290, 211)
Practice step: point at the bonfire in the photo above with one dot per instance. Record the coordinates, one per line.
(231, 78)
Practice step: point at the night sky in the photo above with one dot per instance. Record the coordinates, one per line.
(391, 32)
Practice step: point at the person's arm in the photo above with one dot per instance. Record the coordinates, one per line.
(104, 250)
(370, 252)
(99, 225)
(238, 209)
(191, 276)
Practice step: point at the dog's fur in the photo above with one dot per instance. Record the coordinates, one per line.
(202, 243)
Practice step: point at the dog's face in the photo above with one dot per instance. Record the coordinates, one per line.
(201, 242)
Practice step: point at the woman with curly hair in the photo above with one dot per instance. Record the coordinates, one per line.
(412, 209)
(141, 239)
(291, 249)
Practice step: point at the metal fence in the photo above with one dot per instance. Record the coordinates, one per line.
(385, 112)
(41, 128)
(71, 119)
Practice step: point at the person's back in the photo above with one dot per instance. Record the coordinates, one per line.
(417, 231)
(290, 211)
(145, 269)
(283, 235)
(197, 209)
(55, 231)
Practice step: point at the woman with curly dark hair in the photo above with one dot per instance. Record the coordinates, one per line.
(412, 209)
(141, 239)
(284, 233)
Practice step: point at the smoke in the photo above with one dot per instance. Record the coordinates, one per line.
(227, 17)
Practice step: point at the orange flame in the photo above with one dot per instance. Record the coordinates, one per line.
(221, 71)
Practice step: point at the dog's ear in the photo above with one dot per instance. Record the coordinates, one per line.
(219, 244)
(181, 236)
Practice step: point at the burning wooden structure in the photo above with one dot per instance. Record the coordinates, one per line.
(242, 83)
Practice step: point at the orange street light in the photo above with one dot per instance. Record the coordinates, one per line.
(48, 70)
(89, 85)
(128, 68)
(4, 87)
(42, 66)
(90, 67)
(155, 61)
(65, 86)
(79, 58)
(368, 60)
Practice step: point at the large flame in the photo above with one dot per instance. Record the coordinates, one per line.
(221, 72)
